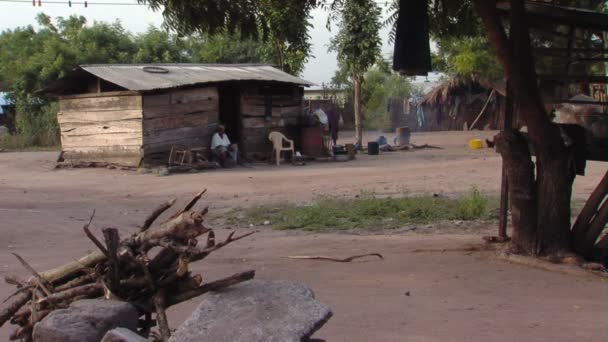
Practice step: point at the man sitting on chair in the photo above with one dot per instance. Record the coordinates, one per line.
(221, 146)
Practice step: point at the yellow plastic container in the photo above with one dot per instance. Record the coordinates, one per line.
(475, 144)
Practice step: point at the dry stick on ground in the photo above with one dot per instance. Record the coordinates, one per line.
(144, 287)
(44, 285)
(88, 290)
(161, 315)
(9, 310)
(322, 257)
(186, 226)
(19, 290)
(190, 204)
(212, 286)
(156, 213)
(26, 330)
(74, 267)
(85, 279)
(197, 254)
(92, 237)
(14, 280)
(95, 241)
(112, 242)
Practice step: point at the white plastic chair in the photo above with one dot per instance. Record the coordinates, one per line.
(277, 139)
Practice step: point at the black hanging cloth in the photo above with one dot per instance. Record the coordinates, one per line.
(412, 48)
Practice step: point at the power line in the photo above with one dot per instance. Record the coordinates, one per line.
(69, 3)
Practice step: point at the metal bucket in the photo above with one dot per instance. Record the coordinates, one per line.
(403, 135)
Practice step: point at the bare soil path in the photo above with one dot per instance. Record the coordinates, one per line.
(454, 296)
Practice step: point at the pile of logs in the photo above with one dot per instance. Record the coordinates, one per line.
(125, 270)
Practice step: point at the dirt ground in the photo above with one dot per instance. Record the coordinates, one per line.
(453, 295)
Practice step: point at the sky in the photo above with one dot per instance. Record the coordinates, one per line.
(136, 19)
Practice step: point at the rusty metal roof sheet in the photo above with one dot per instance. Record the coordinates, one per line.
(146, 77)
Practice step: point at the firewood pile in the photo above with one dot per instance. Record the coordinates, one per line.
(125, 269)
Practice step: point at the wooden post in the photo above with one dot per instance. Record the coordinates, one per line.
(112, 243)
(507, 122)
(483, 109)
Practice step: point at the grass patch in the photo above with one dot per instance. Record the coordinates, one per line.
(370, 212)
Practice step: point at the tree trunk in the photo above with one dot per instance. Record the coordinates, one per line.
(541, 206)
(554, 177)
(358, 114)
(522, 189)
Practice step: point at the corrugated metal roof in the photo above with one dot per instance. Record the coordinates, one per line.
(146, 77)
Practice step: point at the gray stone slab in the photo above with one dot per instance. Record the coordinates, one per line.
(122, 335)
(85, 321)
(257, 310)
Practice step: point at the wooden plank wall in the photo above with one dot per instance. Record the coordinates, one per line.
(182, 118)
(101, 127)
(286, 111)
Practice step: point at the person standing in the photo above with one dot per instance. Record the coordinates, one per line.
(333, 120)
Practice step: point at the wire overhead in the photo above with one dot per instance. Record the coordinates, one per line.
(69, 3)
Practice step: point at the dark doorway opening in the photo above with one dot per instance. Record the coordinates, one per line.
(230, 111)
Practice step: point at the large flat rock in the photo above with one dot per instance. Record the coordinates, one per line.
(257, 310)
(85, 321)
(122, 335)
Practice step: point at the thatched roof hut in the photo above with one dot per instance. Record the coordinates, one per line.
(456, 103)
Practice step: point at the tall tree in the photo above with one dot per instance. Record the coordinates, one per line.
(159, 46)
(227, 48)
(284, 23)
(468, 57)
(31, 58)
(358, 46)
(540, 191)
(381, 84)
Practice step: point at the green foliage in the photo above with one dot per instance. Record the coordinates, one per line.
(380, 85)
(227, 48)
(468, 57)
(31, 59)
(358, 41)
(370, 212)
(159, 46)
(286, 24)
(282, 23)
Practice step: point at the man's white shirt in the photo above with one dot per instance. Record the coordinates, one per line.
(219, 141)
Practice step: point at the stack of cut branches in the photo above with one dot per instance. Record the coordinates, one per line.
(126, 270)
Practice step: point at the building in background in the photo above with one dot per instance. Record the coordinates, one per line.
(134, 114)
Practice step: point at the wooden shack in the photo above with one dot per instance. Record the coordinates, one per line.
(134, 114)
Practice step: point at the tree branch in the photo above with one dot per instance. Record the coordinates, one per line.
(44, 285)
(213, 286)
(161, 315)
(156, 213)
(7, 311)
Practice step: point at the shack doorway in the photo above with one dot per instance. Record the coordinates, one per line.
(230, 111)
